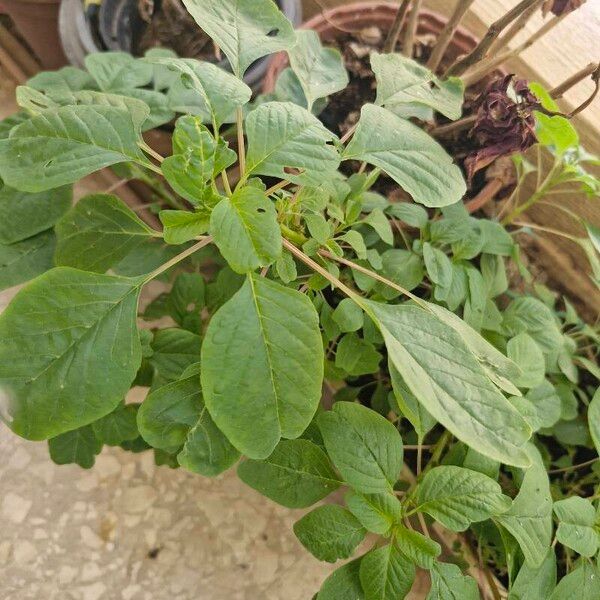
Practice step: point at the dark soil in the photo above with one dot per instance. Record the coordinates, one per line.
(169, 25)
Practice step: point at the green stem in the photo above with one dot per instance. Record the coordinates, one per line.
(292, 235)
(241, 142)
(177, 259)
(537, 195)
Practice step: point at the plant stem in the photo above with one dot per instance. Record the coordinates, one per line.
(241, 142)
(460, 125)
(587, 463)
(177, 259)
(226, 185)
(487, 66)
(277, 187)
(357, 267)
(348, 134)
(151, 152)
(538, 195)
(545, 229)
(515, 28)
(392, 38)
(495, 29)
(408, 40)
(315, 266)
(448, 33)
(567, 84)
(586, 103)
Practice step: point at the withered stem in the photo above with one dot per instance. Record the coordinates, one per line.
(448, 33)
(584, 105)
(567, 84)
(488, 66)
(445, 130)
(515, 28)
(392, 38)
(411, 27)
(495, 29)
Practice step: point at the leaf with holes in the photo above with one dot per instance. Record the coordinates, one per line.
(246, 231)
(205, 90)
(402, 83)
(245, 30)
(288, 142)
(61, 146)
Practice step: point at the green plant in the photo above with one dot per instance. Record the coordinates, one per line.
(449, 397)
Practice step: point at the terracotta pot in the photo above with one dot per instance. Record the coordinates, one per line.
(331, 23)
(37, 22)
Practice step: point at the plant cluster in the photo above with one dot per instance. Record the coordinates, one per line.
(322, 337)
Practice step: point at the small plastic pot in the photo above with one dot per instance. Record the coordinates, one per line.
(331, 24)
(37, 22)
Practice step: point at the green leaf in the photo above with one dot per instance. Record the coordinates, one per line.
(98, 232)
(594, 419)
(206, 450)
(402, 81)
(404, 268)
(348, 315)
(357, 243)
(529, 519)
(379, 513)
(411, 214)
(24, 260)
(181, 226)
(216, 94)
(318, 227)
(245, 30)
(420, 549)
(447, 378)
(118, 70)
(500, 369)
(79, 446)
(69, 350)
(297, 474)
(246, 231)
(576, 519)
(343, 584)
(386, 574)
(357, 356)
(457, 497)
(329, 532)
(582, 583)
(63, 145)
(378, 221)
(24, 215)
(186, 300)
(321, 71)
(288, 142)
(174, 350)
(364, 446)
(448, 583)
(65, 79)
(523, 350)
(439, 267)
(535, 583)
(168, 414)
(409, 406)
(545, 406)
(280, 380)
(118, 426)
(408, 155)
